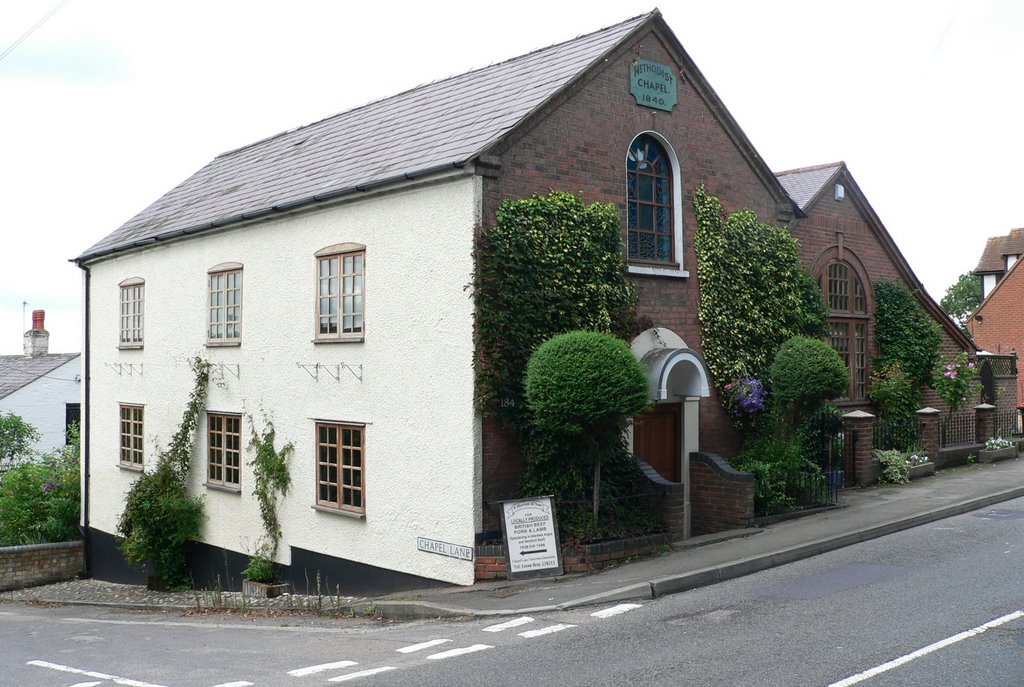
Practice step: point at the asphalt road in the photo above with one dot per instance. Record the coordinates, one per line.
(941, 604)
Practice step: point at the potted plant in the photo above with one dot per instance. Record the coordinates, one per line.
(920, 466)
(997, 448)
(260, 578)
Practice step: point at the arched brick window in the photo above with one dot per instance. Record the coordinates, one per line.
(848, 322)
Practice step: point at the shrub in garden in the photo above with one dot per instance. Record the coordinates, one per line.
(956, 380)
(895, 466)
(39, 500)
(807, 372)
(898, 400)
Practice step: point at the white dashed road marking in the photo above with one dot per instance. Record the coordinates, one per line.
(524, 620)
(545, 630)
(312, 670)
(421, 646)
(459, 652)
(615, 610)
(240, 683)
(91, 673)
(361, 673)
(86, 684)
(941, 644)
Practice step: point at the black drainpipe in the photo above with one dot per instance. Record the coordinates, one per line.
(87, 429)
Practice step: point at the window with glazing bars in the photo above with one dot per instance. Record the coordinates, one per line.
(225, 306)
(848, 331)
(340, 466)
(132, 306)
(132, 454)
(340, 295)
(224, 435)
(649, 223)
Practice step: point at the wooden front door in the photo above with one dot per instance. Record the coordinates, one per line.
(656, 439)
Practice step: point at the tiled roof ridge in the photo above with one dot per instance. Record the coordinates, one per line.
(812, 168)
(646, 15)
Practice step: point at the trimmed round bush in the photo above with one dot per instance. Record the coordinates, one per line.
(807, 372)
(579, 381)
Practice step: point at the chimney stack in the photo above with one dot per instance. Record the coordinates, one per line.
(37, 339)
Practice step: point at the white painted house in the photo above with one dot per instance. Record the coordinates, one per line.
(42, 388)
(323, 273)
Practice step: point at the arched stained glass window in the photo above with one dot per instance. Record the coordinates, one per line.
(649, 202)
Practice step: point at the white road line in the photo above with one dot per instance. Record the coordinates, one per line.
(86, 684)
(524, 620)
(240, 683)
(210, 626)
(91, 673)
(421, 646)
(361, 673)
(460, 652)
(615, 610)
(545, 630)
(312, 670)
(941, 644)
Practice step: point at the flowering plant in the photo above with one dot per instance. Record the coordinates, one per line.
(996, 443)
(956, 380)
(745, 396)
(917, 459)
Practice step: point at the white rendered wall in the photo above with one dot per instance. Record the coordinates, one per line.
(422, 437)
(42, 403)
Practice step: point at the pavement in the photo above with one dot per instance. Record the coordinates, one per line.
(863, 514)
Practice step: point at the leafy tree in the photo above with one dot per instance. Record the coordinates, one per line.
(754, 293)
(16, 439)
(39, 499)
(584, 386)
(962, 298)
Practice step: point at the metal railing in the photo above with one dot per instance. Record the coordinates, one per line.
(1008, 423)
(957, 428)
(897, 433)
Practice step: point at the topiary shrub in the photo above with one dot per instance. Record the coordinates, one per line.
(581, 389)
(580, 382)
(805, 373)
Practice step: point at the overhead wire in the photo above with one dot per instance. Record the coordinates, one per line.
(32, 30)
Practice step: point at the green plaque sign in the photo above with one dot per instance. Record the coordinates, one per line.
(653, 85)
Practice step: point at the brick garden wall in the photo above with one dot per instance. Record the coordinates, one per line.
(36, 564)
(492, 561)
(721, 498)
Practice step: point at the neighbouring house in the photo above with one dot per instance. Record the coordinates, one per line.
(995, 324)
(42, 388)
(1000, 255)
(322, 272)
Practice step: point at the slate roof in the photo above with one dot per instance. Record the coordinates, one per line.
(993, 258)
(440, 125)
(804, 184)
(17, 371)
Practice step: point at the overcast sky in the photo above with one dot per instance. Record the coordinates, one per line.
(110, 103)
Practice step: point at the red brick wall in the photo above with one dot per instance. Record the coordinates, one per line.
(1002, 327)
(721, 498)
(579, 144)
(30, 566)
